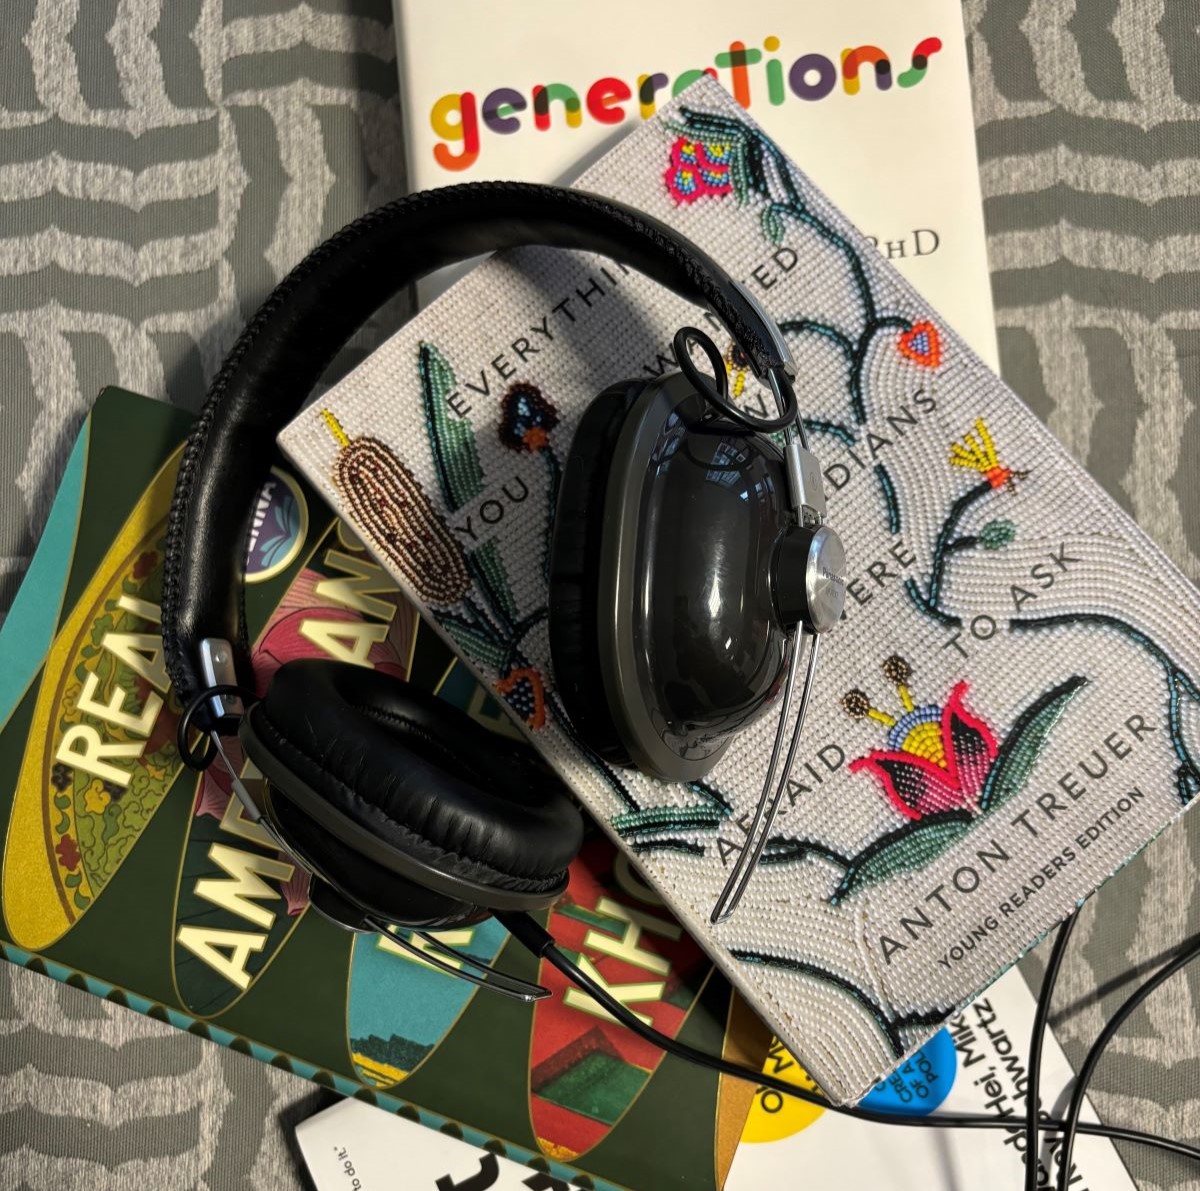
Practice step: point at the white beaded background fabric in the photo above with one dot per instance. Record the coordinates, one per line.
(1010, 707)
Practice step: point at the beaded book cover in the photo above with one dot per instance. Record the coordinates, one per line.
(1008, 710)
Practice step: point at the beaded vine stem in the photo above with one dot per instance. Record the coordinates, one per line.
(929, 600)
(976, 452)
(751, 169)
(527, 418)
(750, 172)
(994, 536)
(495, 633)
(1180, 685)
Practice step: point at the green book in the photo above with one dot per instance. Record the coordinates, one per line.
(132, 877)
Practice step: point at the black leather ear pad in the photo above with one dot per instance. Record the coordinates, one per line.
(366, 885)
(413, 785)
(575, 568)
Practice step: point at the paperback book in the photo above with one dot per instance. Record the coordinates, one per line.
(872, 100)
(131, 877)
(976, 1064)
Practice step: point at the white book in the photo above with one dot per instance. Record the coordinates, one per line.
(975, 1065)
(895, 150)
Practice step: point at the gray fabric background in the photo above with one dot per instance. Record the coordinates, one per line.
(162, 164)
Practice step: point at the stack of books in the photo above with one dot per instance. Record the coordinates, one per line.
(135, 879)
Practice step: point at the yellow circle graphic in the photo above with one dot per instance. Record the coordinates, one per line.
(774, 1115)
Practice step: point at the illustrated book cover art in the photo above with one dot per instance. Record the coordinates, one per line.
(1007, 711)
(138, 880)
(977, 1063)
(872, 100)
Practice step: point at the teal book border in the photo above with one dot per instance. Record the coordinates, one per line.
(28, 630)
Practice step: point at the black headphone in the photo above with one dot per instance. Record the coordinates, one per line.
(403, 808)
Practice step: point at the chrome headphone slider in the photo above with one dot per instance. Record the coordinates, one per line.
(783, 349)
(217, 667)
(805, 488)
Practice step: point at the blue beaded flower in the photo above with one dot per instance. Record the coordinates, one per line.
(526, 418)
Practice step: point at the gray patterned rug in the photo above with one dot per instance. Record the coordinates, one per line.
(162, 164)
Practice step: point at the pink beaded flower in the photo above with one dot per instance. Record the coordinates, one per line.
(937, 759)
(698, 169)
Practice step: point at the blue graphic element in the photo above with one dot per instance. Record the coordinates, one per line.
(920, 1083)
(399, 1010)
(280, 523)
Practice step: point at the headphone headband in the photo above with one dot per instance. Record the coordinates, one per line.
(314, 311)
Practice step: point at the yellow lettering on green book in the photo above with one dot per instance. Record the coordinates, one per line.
(209, 946)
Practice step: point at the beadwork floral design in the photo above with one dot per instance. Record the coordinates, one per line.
(527, 419)
(976, 452)
(937, 758)
(758, 172)
(943, 771)
(484, 620)
(697, 169)
(522, 686)
(922, 344)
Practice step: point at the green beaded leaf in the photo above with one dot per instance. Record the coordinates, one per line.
(492, 568)
(772, 225)
(451, 438)
(668, 818)
(1023, 745)
(907, 849)
(477, 643)
(755, 158)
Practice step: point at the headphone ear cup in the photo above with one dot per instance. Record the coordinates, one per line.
(579, 528)
(360, 886)
(382, 786)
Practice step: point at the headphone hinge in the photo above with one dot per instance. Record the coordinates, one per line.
(217, 666)
(805, 489)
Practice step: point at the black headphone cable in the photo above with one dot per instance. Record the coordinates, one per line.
(1072, 1124)
(1033, 1075)
(531, 935)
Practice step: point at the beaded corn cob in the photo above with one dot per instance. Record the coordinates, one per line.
(390, 505)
